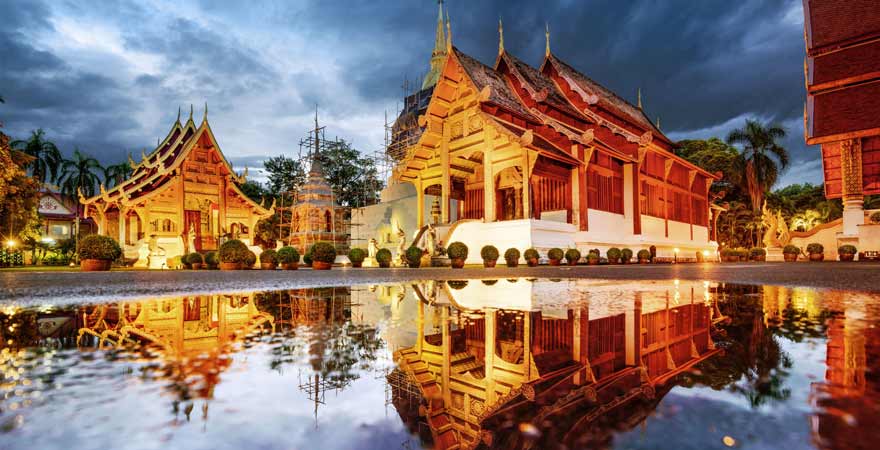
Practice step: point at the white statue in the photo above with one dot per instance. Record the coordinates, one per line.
(431, 240)
(191, 238)
(401, 245)
(372, 248)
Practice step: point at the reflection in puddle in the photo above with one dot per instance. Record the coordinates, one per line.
(460, 364)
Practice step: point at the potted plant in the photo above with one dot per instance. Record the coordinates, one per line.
(613, 255)
(572, 256)
(458, 253)
(758, 254)
(511, 257)
(233, 254)
(269, 259)
(644, 256)
(816, 251)
(413, 257)
(531, 256)
(490, 255)
(626, 256)
(790, 253)
(356, 256)
(250, 260)
(383, 257)
(323, 256)
(847, 252)
(555, 255)
(97, 253)
(593, 258)
(875, 217)
(289, 258)
(195, 260)
(212, 260)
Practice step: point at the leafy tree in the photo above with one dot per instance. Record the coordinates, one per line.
(716, 156)
(353, 177)
(760, 161)
(254, 190)
(285, 175)
(79, 174)
(19, 194)
(804, 205)
(47, 158)
(115, 174)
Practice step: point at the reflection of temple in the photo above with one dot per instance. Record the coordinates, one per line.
(479, 368)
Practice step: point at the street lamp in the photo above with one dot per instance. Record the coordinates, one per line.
(675, 259)
(10, 243)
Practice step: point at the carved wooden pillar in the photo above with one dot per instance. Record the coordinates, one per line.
(668, 168)
(489, 359)
(446, 349)
(420, 203)
(526, 175)
(445, 182)
(488, 176)
(851, 172)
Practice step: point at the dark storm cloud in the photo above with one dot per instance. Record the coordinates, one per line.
(702, 66)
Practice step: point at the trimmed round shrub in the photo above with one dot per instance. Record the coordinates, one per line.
(613, 254)
(626, 254)
(357, 255)
(269, 256)
(95, 246)
(875, 217)
(324, 252)
(531, 254)
(847, 250)
(572, 255)
(251, 259)
(489, 253)
(815, 248)
(307, 256)
(233, 251)
(594, 251)
(383, 255)
(511, 254)
(211, 258)
(592, 256)
(457, 250)
(195, 258)
(555, 253)
(757, 251)
(413, 255)
(791, 249)
(288, 255)
(644, 254)
(457, 284)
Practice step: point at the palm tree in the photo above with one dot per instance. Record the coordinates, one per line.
(115, 174)
(79, 174)
(761, 159)
(46, 156)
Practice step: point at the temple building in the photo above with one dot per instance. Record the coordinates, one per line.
(842, 113)
(182, 197)
(518, 156)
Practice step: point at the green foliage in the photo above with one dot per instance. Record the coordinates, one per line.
(194, 258)
(613, 253)
(250, 259)
(489, 253)
(307, 257)
(714, 155)
(592, 256)
(115, 174)
(791, 249)
(288, 255)
(594, 251)
(285, 175)
(875, 217)
(413, 255)
(324, 252)
(531, 254)
(511, 254)
(357, 255)
(46, 156)
(79, 173)
(266, 232)
(572, 255)
(847, 250)
(457, 284)
(626, 254)
(254, 190)
(815, 248)
(757, 251)
(233, 251)
(758, 165)
(804, 206)
(383, 255)
(644, 254)
(555, 253)
(96, 246)
(354, 178)
(212, 258)
(457, 250)
(269, 256)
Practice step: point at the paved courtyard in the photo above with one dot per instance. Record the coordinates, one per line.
(35, 287)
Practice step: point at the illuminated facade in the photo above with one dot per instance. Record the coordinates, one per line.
(183, 197)
(535, 157)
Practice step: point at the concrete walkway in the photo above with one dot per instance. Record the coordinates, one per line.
(54, 287)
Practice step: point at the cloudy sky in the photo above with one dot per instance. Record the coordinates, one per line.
(109, 77)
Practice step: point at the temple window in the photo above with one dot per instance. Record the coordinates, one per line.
(328, 221)
(167, 225)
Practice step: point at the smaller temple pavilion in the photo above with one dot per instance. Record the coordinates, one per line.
(182, 197)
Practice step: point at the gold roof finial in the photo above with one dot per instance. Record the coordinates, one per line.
(178, 113)
(205, 119)
(440, 38)
(190, 111)
(547, 36)
(500, 37)
(658, 122)
(448, 32)
(640, 98)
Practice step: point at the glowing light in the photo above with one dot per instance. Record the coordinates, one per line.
(705, 252)
(47, 240)
(10, 243)
(675, 250)
(728, 441)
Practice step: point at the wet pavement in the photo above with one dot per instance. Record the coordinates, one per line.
(62, 287)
